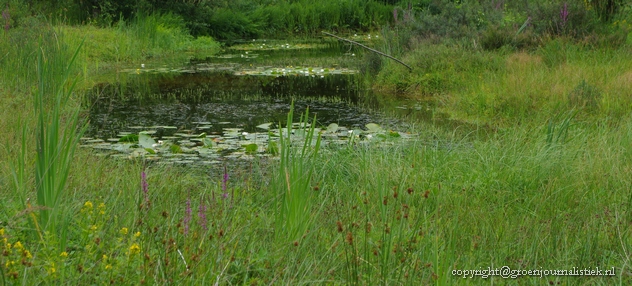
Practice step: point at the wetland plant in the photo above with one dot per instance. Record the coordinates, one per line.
(293, 181)
(56, 138)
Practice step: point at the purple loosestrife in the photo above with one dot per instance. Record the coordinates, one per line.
(145, 187)
(202, 214)
(7, 18)
(564, 15)
(408, 12)
(187, 216)
(395, 15)
(225, 183)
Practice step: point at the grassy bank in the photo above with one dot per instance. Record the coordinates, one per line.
(508, 87)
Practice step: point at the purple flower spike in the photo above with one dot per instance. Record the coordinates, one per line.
(7, 18)
(225, 182)
(145, 187)
(564, 14)
(202, 214)
(395, 15)
(187, 216)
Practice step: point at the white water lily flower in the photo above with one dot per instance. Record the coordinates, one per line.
(244, 133)
(369, 136)
(142, 65)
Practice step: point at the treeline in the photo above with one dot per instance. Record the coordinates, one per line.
(238, 19)
(223, 20)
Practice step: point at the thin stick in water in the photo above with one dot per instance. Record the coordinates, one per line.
(370, 49)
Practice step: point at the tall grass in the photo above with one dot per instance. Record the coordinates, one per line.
(57, 135)
(297, 200)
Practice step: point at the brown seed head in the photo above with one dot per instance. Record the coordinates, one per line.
(349, 238)
(339, 224)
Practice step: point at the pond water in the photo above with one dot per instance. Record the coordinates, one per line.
(231, 105)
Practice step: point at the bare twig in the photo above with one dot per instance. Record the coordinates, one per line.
(370, 49)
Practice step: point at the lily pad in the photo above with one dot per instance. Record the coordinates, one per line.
(145, 140)
(372, 127)
(175, 149)
(332, 128)
(265, 126)
(251, 148)
(129, 138)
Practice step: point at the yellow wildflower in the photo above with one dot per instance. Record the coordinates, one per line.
(93, 227)
(123, 231)
(64, 254)
(1, 231)
(101, 208)
(9, 264)
(105, 257)
(8, 245)
(18, 245)
(108, 266)
(134, 249)
(137, 234)
(27, 254)
(88, 205)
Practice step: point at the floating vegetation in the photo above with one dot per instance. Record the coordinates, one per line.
(272, 45)
(164, 144)
(237, 70)
(298, 71)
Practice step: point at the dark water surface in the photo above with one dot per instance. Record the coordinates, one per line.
(241, 88)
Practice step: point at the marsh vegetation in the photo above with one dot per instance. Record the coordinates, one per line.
(508, 144)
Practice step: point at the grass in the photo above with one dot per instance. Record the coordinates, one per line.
(489, 87)
(547, 188)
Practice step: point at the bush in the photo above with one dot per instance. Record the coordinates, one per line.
(584, 96)
(495, 37)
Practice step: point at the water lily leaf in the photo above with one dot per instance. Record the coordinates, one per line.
(394, 134)
(209, 142)
(372, 127)
(273, 148)
(332, 128)
(145, 140)
(129, 138)
(150, 151)
(265, 126)
(251, 148)
(175, 149)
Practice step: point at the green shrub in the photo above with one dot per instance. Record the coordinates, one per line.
(584, 96)
(495, 37)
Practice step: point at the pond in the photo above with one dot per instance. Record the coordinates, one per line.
(231, 105)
